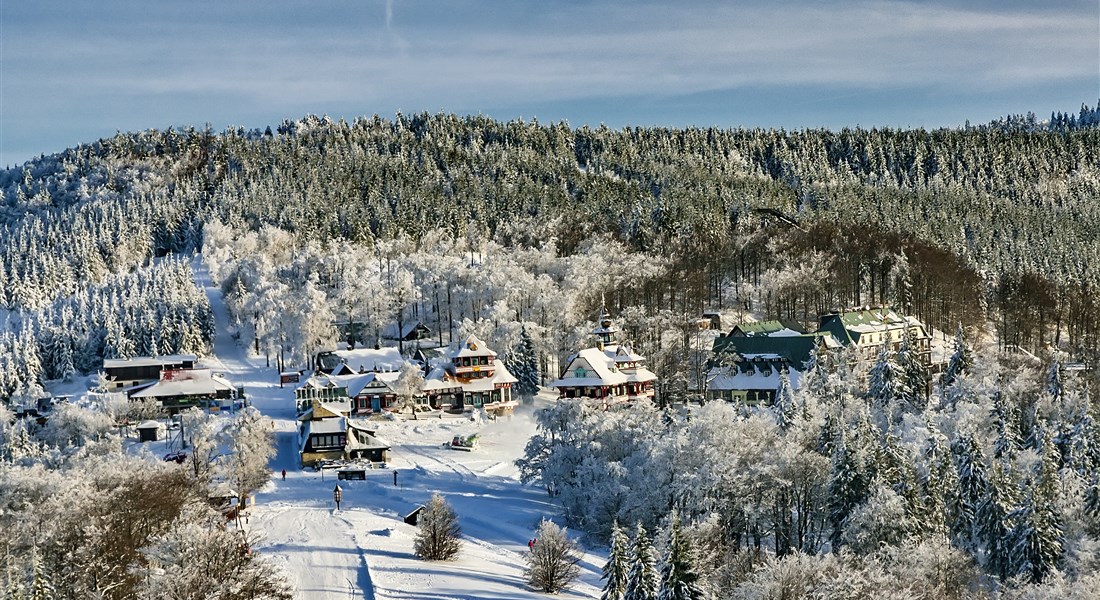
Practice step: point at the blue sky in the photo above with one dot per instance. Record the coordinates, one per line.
(73, 72)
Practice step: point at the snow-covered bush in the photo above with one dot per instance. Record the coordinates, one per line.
(438, 535)
(552, 563)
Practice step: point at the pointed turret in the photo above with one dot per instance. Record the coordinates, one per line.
(605, 328)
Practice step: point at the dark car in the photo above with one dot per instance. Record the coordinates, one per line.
(176, 457)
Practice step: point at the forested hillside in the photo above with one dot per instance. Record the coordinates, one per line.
(984, 482)
(955, 225)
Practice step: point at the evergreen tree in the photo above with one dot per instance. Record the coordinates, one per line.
(913, 393)
(42, 586)
(884, 381)
(961, 359)
(438, 535)
(615, 569)
(1036, 539)
(1006, 423)
(1054, 384)
(994, 523)
(642, 580)
(679, 580)
(784, 405)
(523, 362)
(973, 484)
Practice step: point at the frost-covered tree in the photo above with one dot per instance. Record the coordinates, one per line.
(1036, 539)
(409, 384)
(251, 448)
(973, 485)
(202, 432)
(784, 405)
(198, 558)
(616, 568)
(523, 362)
(1054, 384)
(678, 575)
(913, 393)
(42, 587)
(438, 536)
(994, 523)
(553, 562)
(885, 383)
(960, 361)
(643, 581)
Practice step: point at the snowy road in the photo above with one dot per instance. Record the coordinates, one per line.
(365, 549)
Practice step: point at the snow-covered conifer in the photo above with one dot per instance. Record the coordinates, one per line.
(784, 405)
(961, 359)
(642, 579)
(1036, 538)
(678, 576)
(523, 362)
(617, 565)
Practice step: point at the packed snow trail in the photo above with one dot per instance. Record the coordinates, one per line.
(299, 529)
(364, 550)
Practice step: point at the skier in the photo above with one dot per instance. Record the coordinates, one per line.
(284, 474)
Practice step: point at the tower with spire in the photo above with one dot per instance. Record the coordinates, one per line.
(610, 373)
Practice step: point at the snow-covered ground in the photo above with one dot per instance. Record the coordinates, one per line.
(364, 550)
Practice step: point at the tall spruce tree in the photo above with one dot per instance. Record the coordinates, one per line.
(973, 484)
(642, 580)
(961, 359)
(523, 362)
(994, 522)
(784, 405)
(1036, 539)
(616, 567)
(679, 579)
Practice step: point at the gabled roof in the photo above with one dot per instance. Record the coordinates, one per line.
(723, 378)
(850, 325)
(472, 347)
(796, 350)
(622, 353)
(603, 370)
(366, 359)
(389, 332)
(192, 382)
(768, 328)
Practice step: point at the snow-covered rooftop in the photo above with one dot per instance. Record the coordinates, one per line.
(148, 361)
(371, 359)
(191, 382)
(472, 347)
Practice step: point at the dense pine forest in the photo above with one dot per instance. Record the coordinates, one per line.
(954, 225)
(985, 482)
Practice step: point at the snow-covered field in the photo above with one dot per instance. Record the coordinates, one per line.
(364, 550)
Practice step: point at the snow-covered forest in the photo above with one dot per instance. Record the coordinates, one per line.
(519, 232)
(850, 489)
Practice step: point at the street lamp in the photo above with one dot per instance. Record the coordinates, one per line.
(337, 495)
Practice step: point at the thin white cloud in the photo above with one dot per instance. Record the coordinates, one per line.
(443, 55)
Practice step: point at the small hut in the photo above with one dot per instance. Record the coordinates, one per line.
(150, 431)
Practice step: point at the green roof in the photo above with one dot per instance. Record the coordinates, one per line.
(795, 349)
(765, 328)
